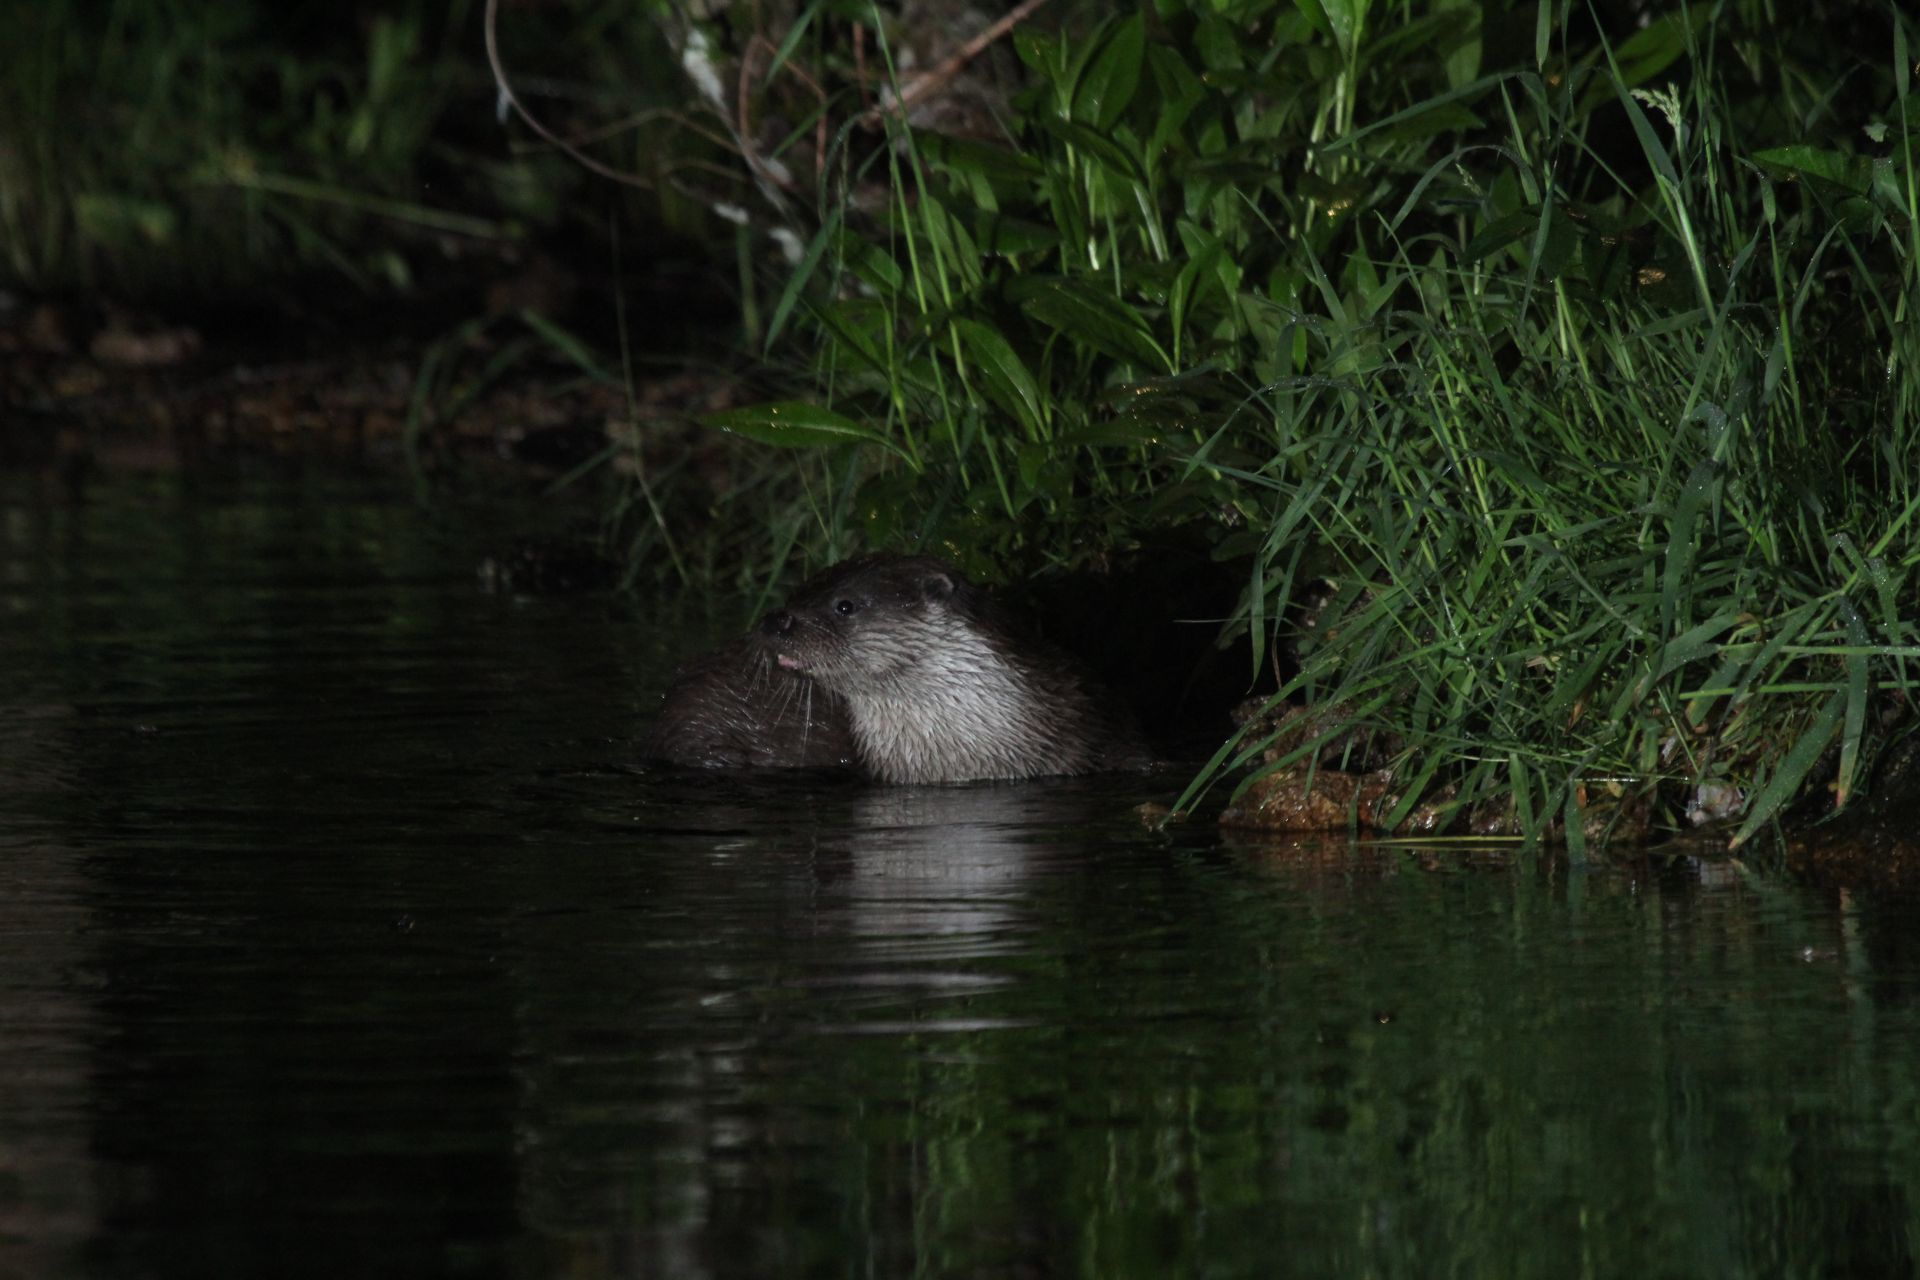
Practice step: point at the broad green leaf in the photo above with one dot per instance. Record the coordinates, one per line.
(1114, 432)
(869, 262)
(1007, 237)
(1676, 587)
(1656, 46)
(1335, 198)
(1793, 768)
(1854, 173)
(858, 326)
(1348, 20)
(1234, 170)
(1194, 277)
(1109, 84)
(1697, 643)
(1031, 459)
(1219, 43)
(1004, 378)
(1113, 157)
(983, 159)
(1499, 234)
(1429, 122)
(968, 261)
(1902, 67)
(796, 424)
(1041, 52)
(954, 254)
(1178, 90)
(1462, 62)
(1888, 185)
(1561, 239)
(1083, 313)
(1316, 15)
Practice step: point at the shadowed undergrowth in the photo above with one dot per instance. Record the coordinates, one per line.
(1562, 408)
(1546, 367)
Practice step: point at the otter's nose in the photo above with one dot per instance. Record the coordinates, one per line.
(777, 623)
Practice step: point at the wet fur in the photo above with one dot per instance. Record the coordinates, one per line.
(733, 708)
(939, 683)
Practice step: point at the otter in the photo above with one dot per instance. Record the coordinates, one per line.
(939, 683)
(901, 667)
(734, 709)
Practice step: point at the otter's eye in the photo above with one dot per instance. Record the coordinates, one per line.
(845, 607)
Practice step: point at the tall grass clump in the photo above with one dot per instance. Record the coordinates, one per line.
(149, 147)
(213, 150)
(1549, 366)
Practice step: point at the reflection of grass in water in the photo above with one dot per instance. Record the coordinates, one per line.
(1369, 1061)
(1567, 421)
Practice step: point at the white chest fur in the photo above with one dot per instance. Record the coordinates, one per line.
(958, 713)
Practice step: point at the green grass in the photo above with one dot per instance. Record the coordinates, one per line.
(1570, 397)
(199, 152)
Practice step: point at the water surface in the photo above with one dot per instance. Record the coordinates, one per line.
(340, 934)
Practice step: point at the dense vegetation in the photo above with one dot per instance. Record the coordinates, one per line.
(157, 150)
(1548, 366)
(1560, 392)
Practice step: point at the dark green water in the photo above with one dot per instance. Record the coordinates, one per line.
(340, 936)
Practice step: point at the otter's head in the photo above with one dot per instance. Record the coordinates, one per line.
(865, 625)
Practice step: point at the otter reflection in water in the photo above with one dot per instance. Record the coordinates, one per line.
(902, 667)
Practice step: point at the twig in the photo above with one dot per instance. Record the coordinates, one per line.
(760, 46)
(934, 79)
(506, 91)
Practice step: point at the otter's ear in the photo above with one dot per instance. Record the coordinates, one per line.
(935, 585)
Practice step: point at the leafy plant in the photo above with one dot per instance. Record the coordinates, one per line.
(1559, 399)
(218, 148)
